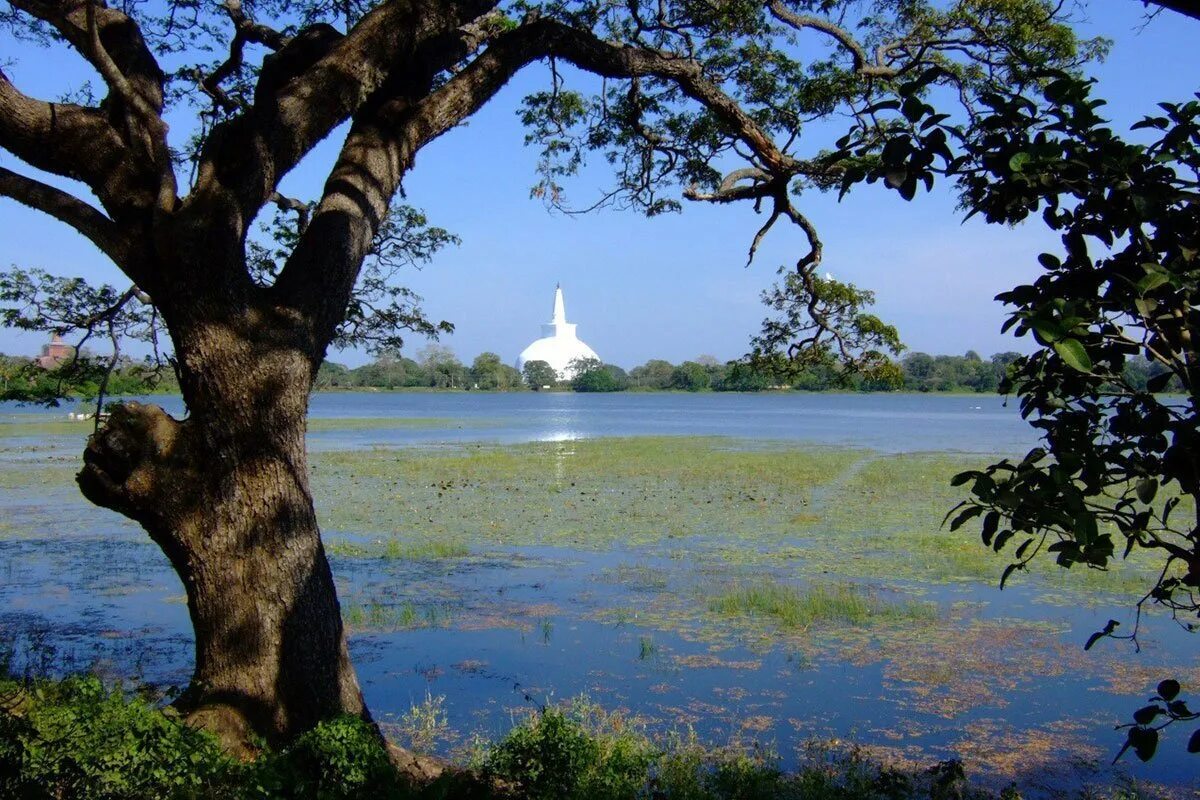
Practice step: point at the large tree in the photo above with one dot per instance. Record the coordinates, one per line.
(711, 97)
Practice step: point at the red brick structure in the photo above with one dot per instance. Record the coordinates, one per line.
(54, 353)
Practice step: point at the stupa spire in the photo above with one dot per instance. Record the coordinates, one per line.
(560, 309)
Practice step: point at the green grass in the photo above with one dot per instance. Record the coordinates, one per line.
(64, 427)
(800, 609)
(379, 616)
(419, 550)
(587, 494)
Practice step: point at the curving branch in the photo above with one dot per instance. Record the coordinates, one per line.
(383, 143)
(110, 40)
(871, 67)
(62, 138)
(298, 207)
(318, 80)
(246, 31)
(115, 78)
(101, 230)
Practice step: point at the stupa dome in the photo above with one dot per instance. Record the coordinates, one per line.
(559, 345)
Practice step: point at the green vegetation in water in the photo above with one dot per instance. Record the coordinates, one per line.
(398, 549)
(800, 609)
(587, 494)
(379, 616)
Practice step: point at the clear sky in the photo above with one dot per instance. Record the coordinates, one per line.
(672, 287)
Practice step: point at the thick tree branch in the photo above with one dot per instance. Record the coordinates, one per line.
(101, 230)
(122, 55)
(1189, 7)
(115, 78)
(316, 82)
(246, 30)
(382, 145)
(250, 31)
(64, 139)
(111, 41)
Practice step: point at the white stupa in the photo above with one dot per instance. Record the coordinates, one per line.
(559, 345)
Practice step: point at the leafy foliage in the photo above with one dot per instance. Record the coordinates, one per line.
(593, 375)
(823, 323)
(538, 374)
(1118, 469)
(35, 300)
(78, 739)
(1117, 458)
(379, 309)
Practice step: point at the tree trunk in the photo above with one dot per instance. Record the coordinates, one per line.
(225, 494)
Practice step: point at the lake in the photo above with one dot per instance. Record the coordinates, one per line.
(504, 551)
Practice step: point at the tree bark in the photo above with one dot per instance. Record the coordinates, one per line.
(225, 495)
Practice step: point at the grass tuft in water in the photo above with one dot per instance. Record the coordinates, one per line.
(399, 550)
(798, 609)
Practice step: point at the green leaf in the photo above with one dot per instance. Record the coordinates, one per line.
(1074, 354)
(1146, 489)
(1159, 382)
(990, 523)
(1008, 571)
(1146, 714)
(1169, 689)
(1098, 635)
(1193, 745)
(1144, 741)
(1152, 281)
(965, 516)
(1018, 161)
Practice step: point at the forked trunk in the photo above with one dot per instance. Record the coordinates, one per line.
(225, 494)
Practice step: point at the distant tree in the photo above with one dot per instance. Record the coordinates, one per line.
(486, 372)
(918, 372)
(691, 376)
(331, 375)
(742, 377)
(539, 375)
(595, 380)
(442, 367)
(619, 375)
(654, 374)
(972, 356)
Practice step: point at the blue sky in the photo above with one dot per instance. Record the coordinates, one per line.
(672, 287)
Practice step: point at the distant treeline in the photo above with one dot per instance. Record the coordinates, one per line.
(22, 379)
(436, 367)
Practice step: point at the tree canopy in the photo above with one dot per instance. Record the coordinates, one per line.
(713, 102)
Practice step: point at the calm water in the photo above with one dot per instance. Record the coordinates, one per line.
(508, 629)
(888, 423)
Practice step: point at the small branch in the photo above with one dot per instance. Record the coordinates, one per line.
(292, 204)
(251, 31)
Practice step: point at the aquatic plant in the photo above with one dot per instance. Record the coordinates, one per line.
(795, 608)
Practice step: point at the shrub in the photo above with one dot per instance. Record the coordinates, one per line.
(339, 759)
(555, 756)
(78, 739)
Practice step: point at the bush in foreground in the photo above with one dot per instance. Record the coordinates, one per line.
(76, 738)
